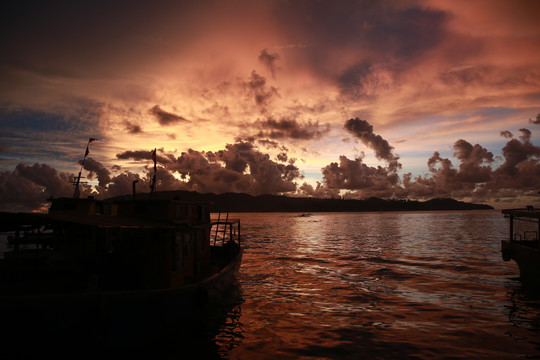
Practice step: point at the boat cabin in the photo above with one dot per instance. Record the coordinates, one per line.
(88, 244)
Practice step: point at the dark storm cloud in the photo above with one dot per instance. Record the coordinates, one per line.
(385, 33)
(102, 173)
(493, 77)
(474, 162)
(518, 175)
(54, 183)
(351, 81)
(166, 118)
(133, 128)
(290, 128)
(135, 155)
(445, 180)
(363, 131)
(525, 135)
(122, 184)
(245, 169)
(365, 181)
(27, 187)
(519, 157)
(269, 60)
(355, 175)
(320, 191)
(282, 157)
(269, 143)
(535, 121)
(507, 134)
(260, 91)
(240, 167)
(140, 155)
(475, 177)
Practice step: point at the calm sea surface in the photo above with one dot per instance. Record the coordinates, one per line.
(420, 285)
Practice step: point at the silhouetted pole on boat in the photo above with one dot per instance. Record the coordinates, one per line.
(77, 192)
(134, 182)
(153, 186)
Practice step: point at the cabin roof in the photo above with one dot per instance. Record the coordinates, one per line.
(108, 221)
(13, 221)
(525, 213)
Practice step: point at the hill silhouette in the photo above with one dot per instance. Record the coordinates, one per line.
(239, 202)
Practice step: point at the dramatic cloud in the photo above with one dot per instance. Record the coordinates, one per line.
(27, 187)
(123, 185)
(240, 167)
(363, 131)
(535, 121)
(269, 60)
(133, 128)
(165, 118)
(521, 165)
(261, 93)
(146, 155)
(366, 180)
(290, 128)
(96, 168)
(320, 191)
(265, 175)
(475, 178)
(472, 159)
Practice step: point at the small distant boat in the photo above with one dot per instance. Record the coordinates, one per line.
(113, 270)
(523, 245)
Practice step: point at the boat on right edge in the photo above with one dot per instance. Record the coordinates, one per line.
(523, 244)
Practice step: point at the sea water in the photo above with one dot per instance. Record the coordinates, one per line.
(391, 285)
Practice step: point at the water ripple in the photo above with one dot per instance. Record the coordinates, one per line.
(379, 286)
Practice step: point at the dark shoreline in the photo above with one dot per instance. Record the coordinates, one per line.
(238, 202)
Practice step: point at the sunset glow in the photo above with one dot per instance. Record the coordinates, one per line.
(416, 99)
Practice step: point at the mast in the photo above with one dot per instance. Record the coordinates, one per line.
(153, 186)
(77, 193)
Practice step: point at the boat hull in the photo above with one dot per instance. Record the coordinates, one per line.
(527, 257)
(116, 317)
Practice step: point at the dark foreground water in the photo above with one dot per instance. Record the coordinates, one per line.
(428, 285)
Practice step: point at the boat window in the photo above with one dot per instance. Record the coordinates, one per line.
(181, 211)
(188, 247)
(525, 229)
(200, 212)
(177, 258)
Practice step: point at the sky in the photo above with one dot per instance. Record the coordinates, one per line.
(394, 99)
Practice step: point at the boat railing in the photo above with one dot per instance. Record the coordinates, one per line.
(526, 236)
(225, 231)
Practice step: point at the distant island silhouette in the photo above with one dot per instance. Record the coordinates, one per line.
(239, 202)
